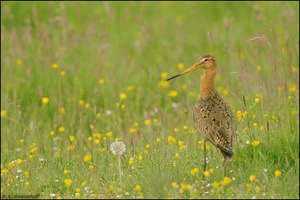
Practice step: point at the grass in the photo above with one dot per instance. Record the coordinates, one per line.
(78, 76)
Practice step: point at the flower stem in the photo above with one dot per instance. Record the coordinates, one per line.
(120, 172)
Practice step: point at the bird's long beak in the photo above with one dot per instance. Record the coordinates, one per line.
(195, 66)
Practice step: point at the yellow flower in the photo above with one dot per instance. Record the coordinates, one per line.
(45, 100)
(248, 186)
(130, 88)
(3, 113)
(173, 93)
(225, 92)
(215, 185)
(206, 173)
(255, 124)
(174, 184)
(11, 165)
(80, 102)
(277, 173)
(22, 141)
(54, 66)
(122, 96)
(294, 69)
(87, 158)
(91, 167)
(146, 151)
(123, 106)
(131, 159)
(62, 73)
(180, 66)
(257, 188)
(194, 171)
(293, 88)
(61, 129)
(180, 143)
(211, 170)
(171, 139)
(164, 75)
(83, 184)
(164, 84)
(90, 139)
(158, 140)
(258, 68)
(140, 158)
(61, 110)
(87, 105)
(147, 146)
(183, 186)
(136, 124)
(101, 81)
(109, 134)
(261, 128)
(255, 143)
(4, 171)
(252, 178)
(19, 161)
(71, 138)
(132, 130)
(175, 130)
(19, 61)
(147, 122)
(27, 183)
(71, 147)
(225, 181)
(138, 187)
(207, 147)
(98, 116)
(256, 100)
(68, 182)
(26, 173)
(111, 187)
(97, 141)
(66, 171)
(51, 133)
(77, 195)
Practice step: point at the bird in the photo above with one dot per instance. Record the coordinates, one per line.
(212, 116)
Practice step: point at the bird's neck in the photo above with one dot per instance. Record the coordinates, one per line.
(207, 87)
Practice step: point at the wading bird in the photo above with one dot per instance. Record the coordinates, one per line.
(212, 116)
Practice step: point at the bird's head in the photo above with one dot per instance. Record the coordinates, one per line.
(205, 62)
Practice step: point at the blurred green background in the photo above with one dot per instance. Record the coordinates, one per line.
(84, 56)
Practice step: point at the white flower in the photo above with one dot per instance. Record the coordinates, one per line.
(117, 148)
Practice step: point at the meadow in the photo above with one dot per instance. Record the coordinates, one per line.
(81, 79)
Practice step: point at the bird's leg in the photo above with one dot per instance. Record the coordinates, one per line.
(204, 144)
(224, 166)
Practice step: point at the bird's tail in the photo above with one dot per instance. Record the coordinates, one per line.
(227, 156)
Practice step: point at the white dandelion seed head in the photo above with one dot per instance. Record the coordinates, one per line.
(117, 148)
(247, 142)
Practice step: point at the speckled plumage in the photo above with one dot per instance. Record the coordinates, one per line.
(214, 120)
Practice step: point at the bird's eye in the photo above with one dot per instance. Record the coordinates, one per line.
(205, 60)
